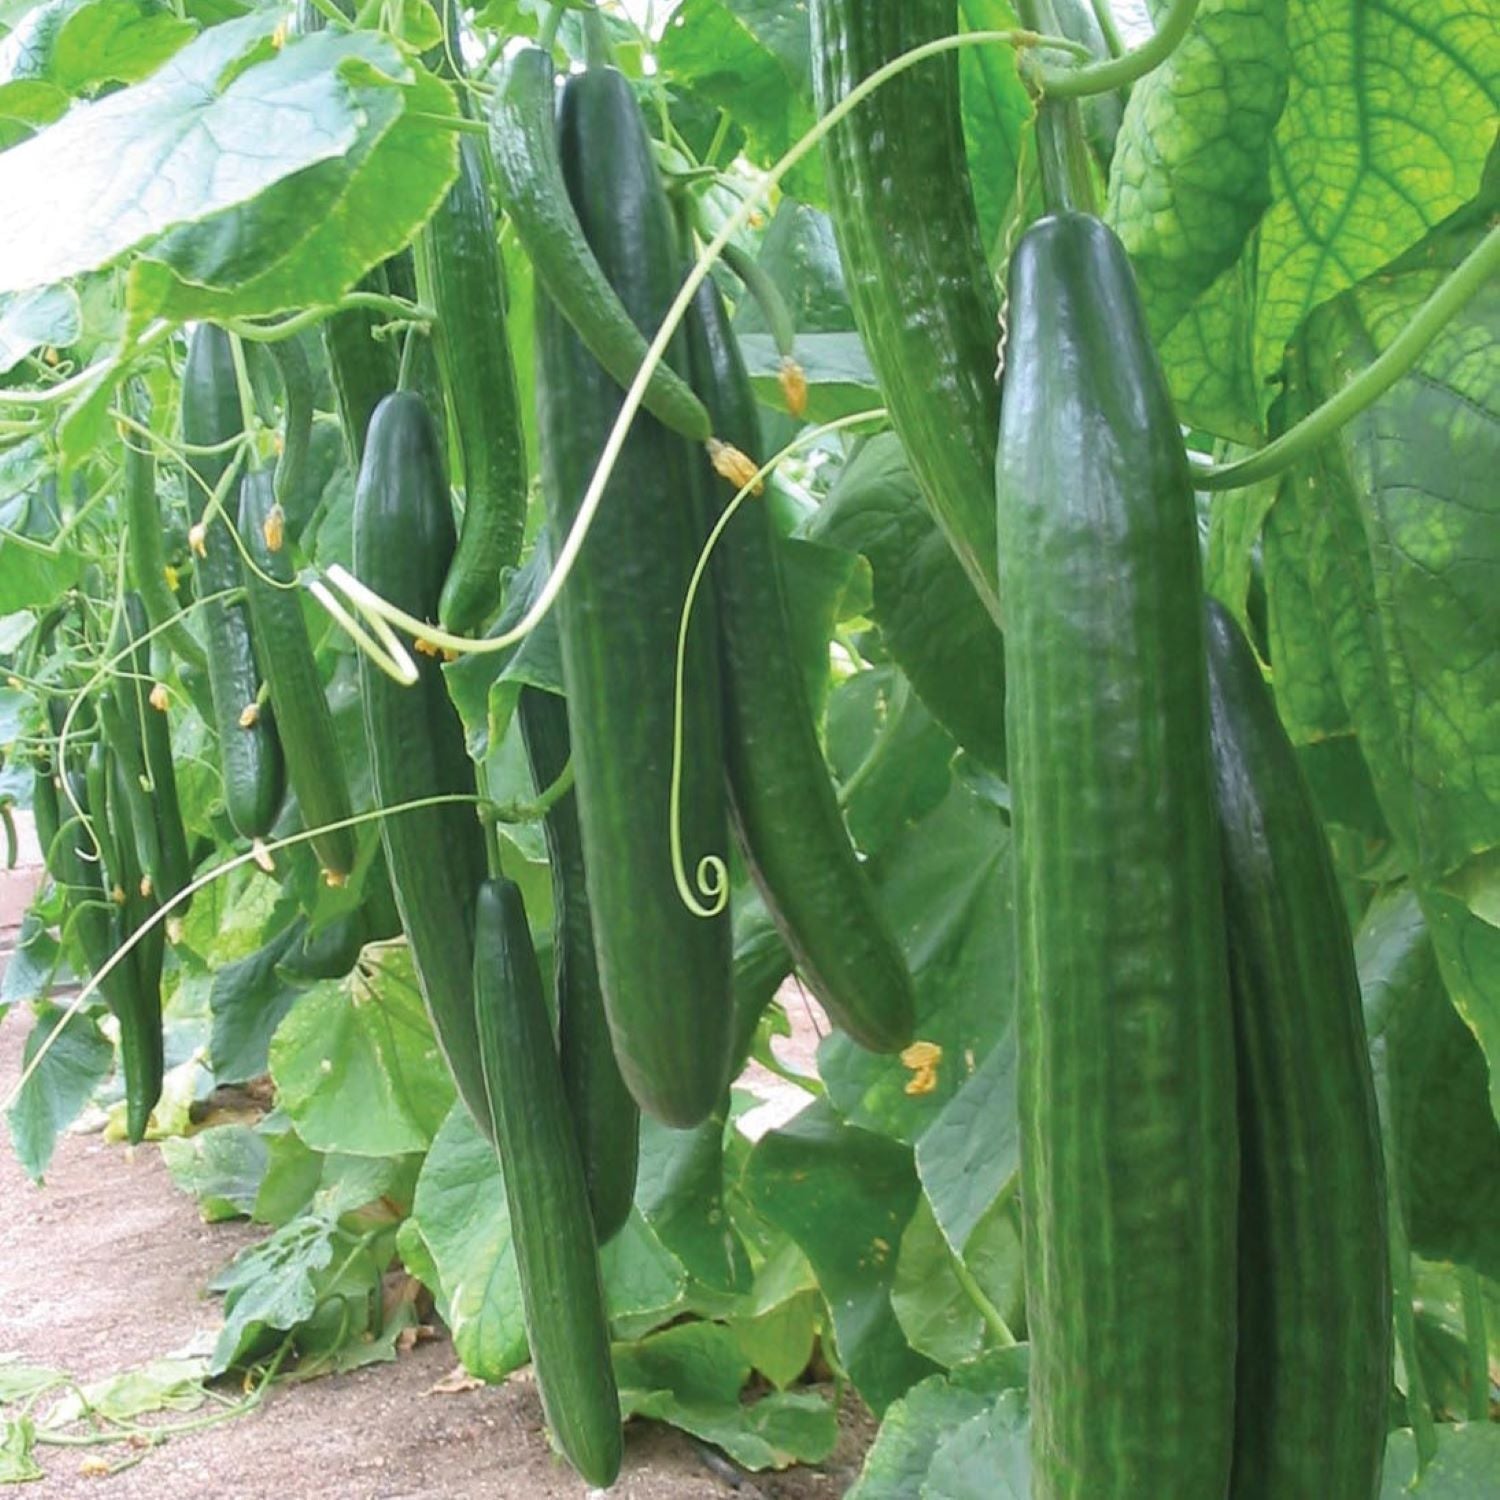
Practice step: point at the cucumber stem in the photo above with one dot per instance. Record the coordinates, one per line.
(1120, 72)
(596, 51)
(1476, 1337)
(548, 35)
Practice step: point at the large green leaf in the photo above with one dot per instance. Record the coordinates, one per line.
(1468, 1458)
(996, 109)
(31, 320)
(249, 999)
(844, 1195)
(988, 1458)
(73, 46)
(1191, 172)
(800, 256)
(356, 1064)
(78, 1057)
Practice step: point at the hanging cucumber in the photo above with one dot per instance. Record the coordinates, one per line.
(908, 233)
(460, 272)
(403, 544)
(1314, 1363)
(665, 970)
(605, 1118)
(304, 723)
(781, 799)
(535, 194)
(248, 750)
(557, 1259)
(1129, 1167)
(148, 560)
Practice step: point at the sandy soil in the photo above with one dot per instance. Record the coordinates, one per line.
(104, 1268)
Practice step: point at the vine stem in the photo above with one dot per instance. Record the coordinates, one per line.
(1476, 270)
(370, 603)
(1118, 72)
(712, 874)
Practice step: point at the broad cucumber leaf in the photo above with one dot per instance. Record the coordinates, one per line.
(844, 1195)
(33, 320)
(221, 1167)
(1468, 1458)
(996, 110)
(801, 257)
(1191, 171)
(987, 1458)
(79, 1057)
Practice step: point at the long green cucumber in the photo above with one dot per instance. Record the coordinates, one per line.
(304, 722)
(248, 750)
(535, 194)
(459, 268)
(605, 1117)
(148, 559)
(403, 544)
(908, 233)
(562, 1294)
(665, 970)
(1129, 1165)
(1314, 1364)
(781, 799)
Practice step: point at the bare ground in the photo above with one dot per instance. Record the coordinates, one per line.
(105, 1268)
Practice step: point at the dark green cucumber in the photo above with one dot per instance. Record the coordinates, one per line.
(1129, 1167)
(562, 1294)
(605, 1117)
(364, 368)
(171, 868)
(403, 544)
(536, 196)
(460, 267)
(148, 559)
(1314, 1364)
(780, 796)
(249, 754)
(304, 722)
(296, 425)
(665, 970)
(903, 212)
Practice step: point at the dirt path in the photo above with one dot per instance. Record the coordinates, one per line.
(104, 1268)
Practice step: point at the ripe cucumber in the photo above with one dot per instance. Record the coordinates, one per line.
(304, 722)
(1314, 1364)
(249, 753)
(460, 268)
(908, 233)
(403, 544)
(605, 1118)
(665, 970)
(536, 196)
(780, 797)
(562, 1294)
(1129, 1165)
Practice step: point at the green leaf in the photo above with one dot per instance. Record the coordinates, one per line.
(272, 1285)
(170, 1384)
(1468, 1458)
(1390, 114)
(840, 381)
(17, 1465)
(801, 257)
(691, 1376)
(844, 1195)
(49, 1101)
(987, 1458)
(930, 618)
(33, 320)
(30, 967)
(779, 1342)
(356, 1065)
(644, 1283)
(221, 1167)
(996, 110)
(460, 1213)
(1210, 362)
(249, 1000)
(76, 45)
(19, 1381)
(1191, 171)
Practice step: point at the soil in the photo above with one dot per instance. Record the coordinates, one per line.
(105, 1268)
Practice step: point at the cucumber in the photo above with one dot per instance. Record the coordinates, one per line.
(1129, 1164)
(605, 1118)
(1314, 1364)
(148, 559)
(304, 722)
(908, 234)
(665, 971)
(460, 268)
(249, 753)
(535, 194)
(562, 1294)
(781, 799)
(403, 544)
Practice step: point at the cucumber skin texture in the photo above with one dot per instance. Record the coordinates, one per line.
(1314, 1366)
(562, 1293)
(665, 972)
(606, 1119)
(1127, 1071)
(403, 542)
(536, 197)
(304, 722)
(781, 800)
(908, 235)
(174, 865)
(462, 262)
(250, 758)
